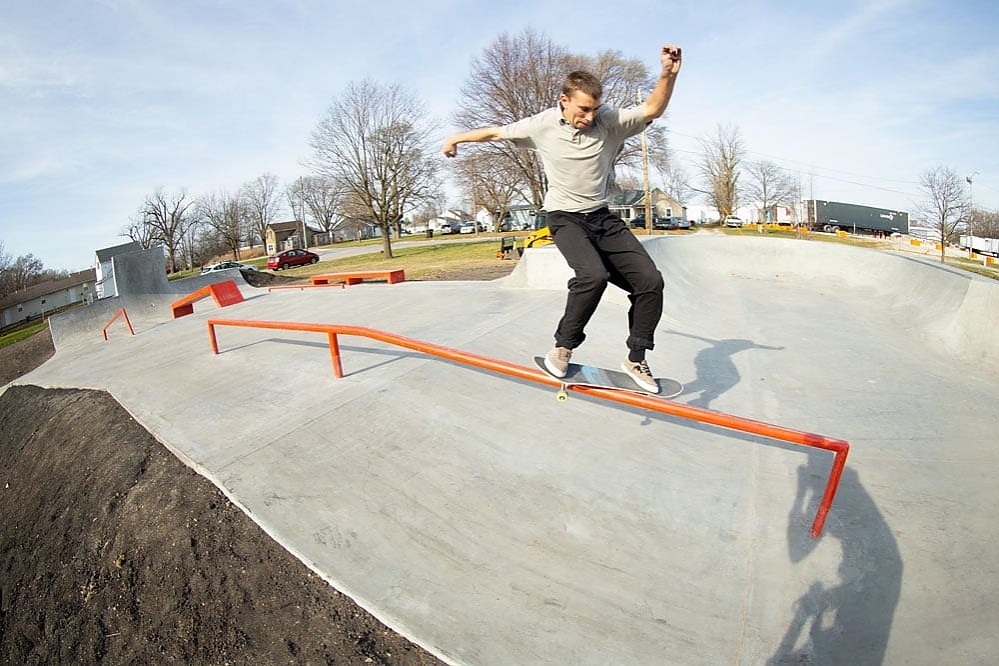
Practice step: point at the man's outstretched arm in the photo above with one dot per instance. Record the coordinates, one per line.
(471, 136)
(656, 103)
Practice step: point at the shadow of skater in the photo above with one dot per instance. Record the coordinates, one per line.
(715, 371)
(851, 622)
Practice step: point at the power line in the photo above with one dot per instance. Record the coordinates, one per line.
(813, 170)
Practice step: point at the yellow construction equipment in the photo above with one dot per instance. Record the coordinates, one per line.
(538, 238)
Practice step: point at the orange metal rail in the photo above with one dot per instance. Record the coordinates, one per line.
(839, 447)
(120, 314)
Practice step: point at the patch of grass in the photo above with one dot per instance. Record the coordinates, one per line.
(974, 267)
(23, 334)
(180, 275)
(420, 263)
(812, 236)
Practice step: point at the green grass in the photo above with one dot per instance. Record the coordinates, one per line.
(820, 238)
(420, 263)
(963, 264)
(23, 334)
(974, 267)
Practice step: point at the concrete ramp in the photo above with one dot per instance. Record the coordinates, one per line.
(146, 297)
(494, 525)
(929, 302)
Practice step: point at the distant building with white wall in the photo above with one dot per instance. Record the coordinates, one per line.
(46, 297)
(104, 267)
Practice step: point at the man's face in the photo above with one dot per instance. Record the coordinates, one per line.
(579, 109)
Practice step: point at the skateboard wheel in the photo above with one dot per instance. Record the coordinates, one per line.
(562, 396)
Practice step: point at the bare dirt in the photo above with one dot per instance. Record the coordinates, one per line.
(112, 550)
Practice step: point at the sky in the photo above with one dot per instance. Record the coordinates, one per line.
(104, 101)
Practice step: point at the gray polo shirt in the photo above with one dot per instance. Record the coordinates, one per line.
(577, 163)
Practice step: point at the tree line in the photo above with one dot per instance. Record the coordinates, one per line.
(19, 273)
(374, 156)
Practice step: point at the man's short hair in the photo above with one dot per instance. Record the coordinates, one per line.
(584, 82)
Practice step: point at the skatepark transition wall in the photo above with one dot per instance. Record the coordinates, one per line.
(956, 309)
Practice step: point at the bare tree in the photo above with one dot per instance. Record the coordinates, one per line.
(203, 244)
(5, 258)
(986, 223)
(20, 273)
(722, 154)
(323, 197)
(295, 192)
(944, 202)
(769, 184)
(489, 182)
(263, 205)
(515, 77)
(167, 216)
(227, 215)
(139, 231)
(377, 142)
(676, 181)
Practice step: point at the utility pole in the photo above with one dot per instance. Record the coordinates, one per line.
(645, 175)
(971, 215)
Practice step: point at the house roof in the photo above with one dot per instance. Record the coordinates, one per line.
(626, 198)
(106, 253)
(48, 287)
(292, 226)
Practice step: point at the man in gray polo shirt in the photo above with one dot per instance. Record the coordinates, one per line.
(578, 141)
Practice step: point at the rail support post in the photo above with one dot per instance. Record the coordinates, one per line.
(335, 354)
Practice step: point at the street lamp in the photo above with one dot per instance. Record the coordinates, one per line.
(971, 214)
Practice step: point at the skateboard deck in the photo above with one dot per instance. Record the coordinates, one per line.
(588, 375)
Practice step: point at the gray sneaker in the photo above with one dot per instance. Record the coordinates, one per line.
(557, 361)
(641, 374)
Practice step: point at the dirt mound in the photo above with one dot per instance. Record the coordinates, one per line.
(112, 550)
(267, 279)
(25, 356)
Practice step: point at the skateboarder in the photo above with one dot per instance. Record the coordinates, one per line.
(578, 141)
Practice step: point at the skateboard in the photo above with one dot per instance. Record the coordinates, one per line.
(588, 375)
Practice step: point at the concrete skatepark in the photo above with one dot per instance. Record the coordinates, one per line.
(492, 525)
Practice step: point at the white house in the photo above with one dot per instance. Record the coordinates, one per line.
(104, 267)
(46, 297)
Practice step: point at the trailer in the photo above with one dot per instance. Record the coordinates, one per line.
(832, 216)
(986, 246)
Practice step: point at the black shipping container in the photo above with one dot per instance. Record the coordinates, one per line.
(832, 215)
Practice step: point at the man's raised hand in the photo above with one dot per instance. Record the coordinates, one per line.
(671, 57)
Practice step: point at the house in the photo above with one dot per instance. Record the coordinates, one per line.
(288, 236)
(630, 203)
(104, 267)
(355, 229)
(46, 297)
(521, 216)
(448, 219)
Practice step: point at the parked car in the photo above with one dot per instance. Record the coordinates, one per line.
(453, 227)
(638, 222)
(226, 265)
(467, 228)
(732, 221)
(289, 258)
(682, 222)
